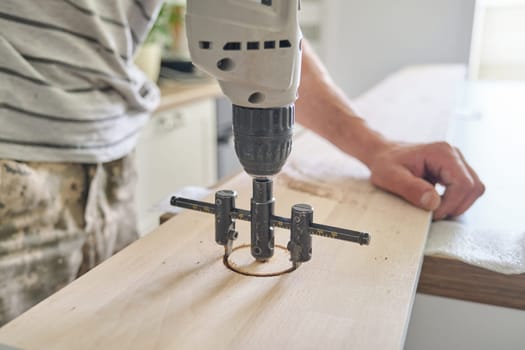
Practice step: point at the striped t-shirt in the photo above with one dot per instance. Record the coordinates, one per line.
(69, 91)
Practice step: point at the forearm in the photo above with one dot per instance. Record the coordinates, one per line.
(323, 108)
(409, 170)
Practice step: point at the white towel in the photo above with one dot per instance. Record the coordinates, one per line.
(493, 249)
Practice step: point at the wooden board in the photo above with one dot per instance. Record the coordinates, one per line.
(170, 290)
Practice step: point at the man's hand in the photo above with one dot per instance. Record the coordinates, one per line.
(411, 171)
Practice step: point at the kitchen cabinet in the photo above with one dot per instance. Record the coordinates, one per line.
(177, 148)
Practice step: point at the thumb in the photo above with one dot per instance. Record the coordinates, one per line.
(402, 182)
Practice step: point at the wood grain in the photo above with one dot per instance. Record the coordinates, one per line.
(170, 290)
(454, 279)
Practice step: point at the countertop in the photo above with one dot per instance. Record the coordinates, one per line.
(171, 290)
(175, 94)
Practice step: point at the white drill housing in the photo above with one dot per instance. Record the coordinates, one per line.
(252, 47)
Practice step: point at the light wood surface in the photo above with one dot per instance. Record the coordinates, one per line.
(454, 279)
(170, 290)
(175, 94)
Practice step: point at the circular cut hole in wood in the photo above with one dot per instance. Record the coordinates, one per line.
(242, 261)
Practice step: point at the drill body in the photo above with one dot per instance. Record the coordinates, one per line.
(253, 49)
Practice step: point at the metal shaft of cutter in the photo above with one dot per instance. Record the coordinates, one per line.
(261, 208)
(361, 238)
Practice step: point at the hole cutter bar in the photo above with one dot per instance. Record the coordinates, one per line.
(262, 219)
(236, 43)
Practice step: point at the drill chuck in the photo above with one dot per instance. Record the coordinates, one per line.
(263, 138)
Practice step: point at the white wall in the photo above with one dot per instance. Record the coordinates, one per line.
(364, 40)
(499, 45)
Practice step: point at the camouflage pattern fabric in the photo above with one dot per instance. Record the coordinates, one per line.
(57, 221)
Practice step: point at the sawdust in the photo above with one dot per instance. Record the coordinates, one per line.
(321, 169)
(322, 180)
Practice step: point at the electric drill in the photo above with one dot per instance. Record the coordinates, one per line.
(253, 49)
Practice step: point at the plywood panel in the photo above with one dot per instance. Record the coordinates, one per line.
(171, 290)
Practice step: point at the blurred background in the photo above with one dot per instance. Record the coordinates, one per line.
(361, 42)
(364, 41)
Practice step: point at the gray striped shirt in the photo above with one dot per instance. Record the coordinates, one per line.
(69, 91)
